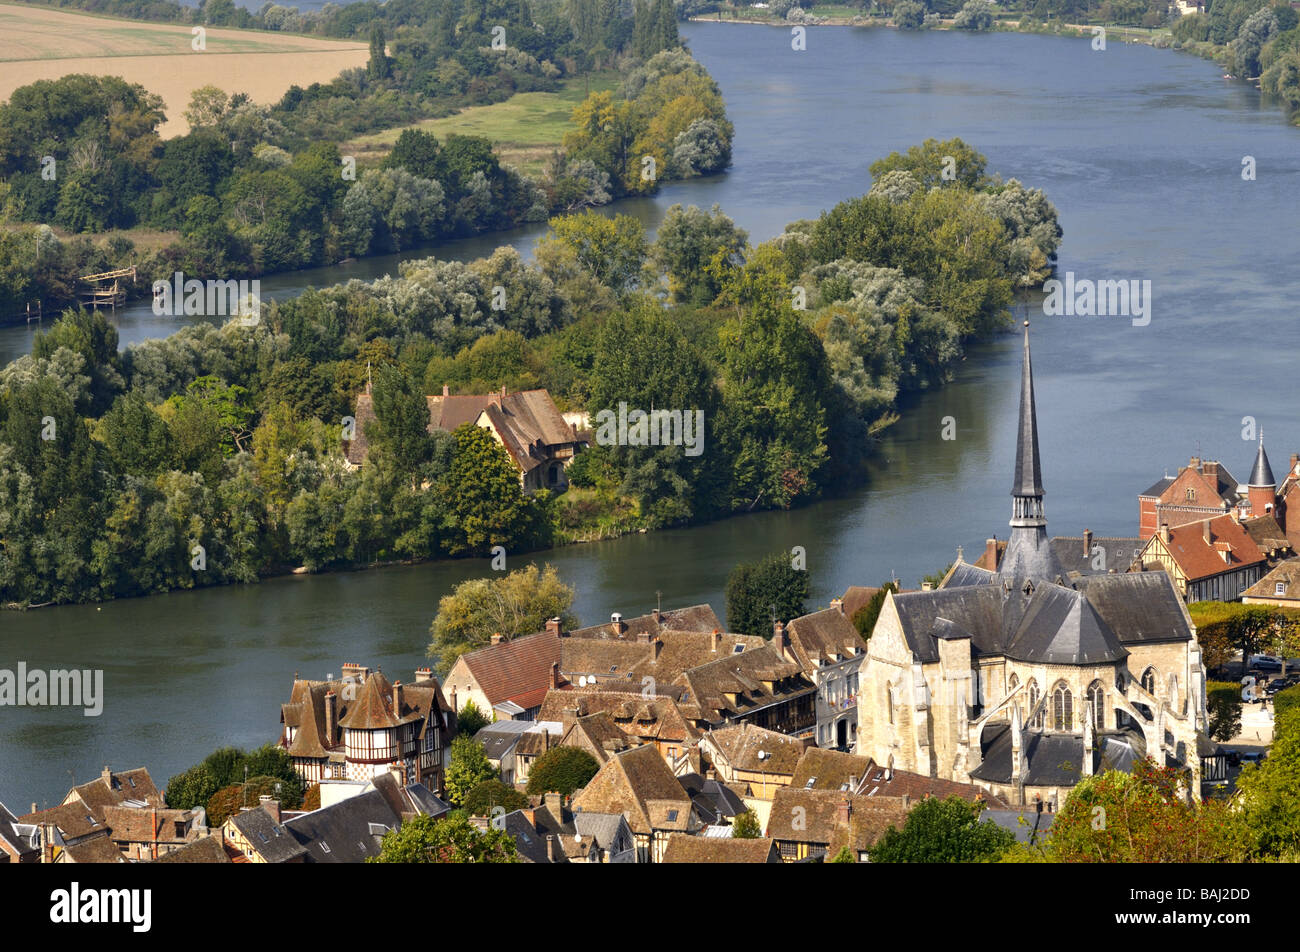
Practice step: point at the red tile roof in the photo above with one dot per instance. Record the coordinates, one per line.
(515, 668)
(1200, 559)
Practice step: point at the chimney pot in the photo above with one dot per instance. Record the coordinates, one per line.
(1087, 543)
(1164, 532)
(497, 638)
(714, 640)
(838, 605)
(554, 627)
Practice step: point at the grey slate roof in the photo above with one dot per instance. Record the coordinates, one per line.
(1159, 487)
(1054, 760)
(20, 837)
(963, 573)
(713, 799)
(1060, 627)
(610, 830)
(1087, 621)
(530, 844)
(268, 838)
(1036, 826)
(341, 832)
(1030, 555)
(1119, 553)
(499, 738)
(1262, 474)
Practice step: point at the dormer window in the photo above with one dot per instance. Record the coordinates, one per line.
(1279, 588)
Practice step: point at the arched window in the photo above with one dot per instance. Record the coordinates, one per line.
(1097, 698)
(1035, 722)
(1062, 707)
(1149, 681)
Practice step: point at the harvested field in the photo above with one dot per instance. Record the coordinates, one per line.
(38, 43)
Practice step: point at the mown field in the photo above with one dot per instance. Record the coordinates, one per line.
(525, 128)
(38, 43)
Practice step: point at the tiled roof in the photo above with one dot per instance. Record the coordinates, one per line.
(515, 667)
(654, 718)
(345, 832)
(205, 850)
(99, 850)
(124, 785)
(74, 820)
(527, 423)
(855, 597)
(598, 735)
(740, 745)
(1117, 553)
(828, 769)
(367, 705)
(914, 786)
(1288, 573)
(813, 817)
(638, 784)
(827, 635)
(1199, 559)
(1267, 534)
(145, 825)
(700, 849)
(743, 676)
(690, 618)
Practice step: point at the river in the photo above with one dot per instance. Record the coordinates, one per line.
(1141, 151)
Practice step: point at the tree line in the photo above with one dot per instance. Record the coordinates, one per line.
(216, 455)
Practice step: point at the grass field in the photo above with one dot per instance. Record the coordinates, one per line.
(39, 43)
(525, 128)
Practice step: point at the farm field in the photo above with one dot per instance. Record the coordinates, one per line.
(525, 128)
(38, 43)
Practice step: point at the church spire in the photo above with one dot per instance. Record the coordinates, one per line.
(1029, 553)
(1262, 474)
(1027, 485)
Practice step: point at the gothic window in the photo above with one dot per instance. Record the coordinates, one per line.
(1035, 722)
(1097, 698)
(1191, 495)
(1149, 681)
(1062, 707)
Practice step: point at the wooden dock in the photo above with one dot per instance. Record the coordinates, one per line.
(105, 289)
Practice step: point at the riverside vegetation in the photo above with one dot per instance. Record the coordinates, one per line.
(215, 455)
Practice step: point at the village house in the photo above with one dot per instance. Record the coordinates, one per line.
(1026, 679)
(70, 833)
(539, 441)
(512, 746)
(147, 833)
(79, 830)
(829, 650)
(1280, 587)
(755, 761)
(716, 849)
(19, 842)
(598, 735)
(808, 825)
(207, 850)
(759, 686)
(350, 831)
(551, 832)
(716, 803)
(364, 725)
(256, 835)
(638, 784)
(654, 720)
(1211, 560)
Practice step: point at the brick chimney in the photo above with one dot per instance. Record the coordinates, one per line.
(331, 717)
(1087, 543)
(715, 640)
(270, 805)
(843, 812)
(1210, 468)
(555, 674)
(423, 674)
(658, 616)
(779, 641)
(497, 638)
(643, 637)
(617, 624)
(991, 554)
(555, 804)
(1205, 532)
(1164, 532)
(106, 775)
(397, 698)
(554, 626)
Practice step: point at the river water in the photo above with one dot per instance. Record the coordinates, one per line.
(1141, 151)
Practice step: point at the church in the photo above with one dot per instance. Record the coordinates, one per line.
(1026, 678)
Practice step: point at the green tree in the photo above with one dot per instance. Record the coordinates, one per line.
(746, 826)
(468, 768)
(1223, 700)
(687, 241)
(379, 66)
(471, 720)
(611, 249)
(191, 788)
(909, 15)
(929, 162)
(943, 831)
(1270, 792)
(452, 839)
(845, 855)
(1142, 817)
(756, 589)
(864, 619)
(562, 770)
(485, 501)
(489, 794)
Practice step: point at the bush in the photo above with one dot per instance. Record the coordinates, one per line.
(1223, 700)
(564, 770)
(1286, 700)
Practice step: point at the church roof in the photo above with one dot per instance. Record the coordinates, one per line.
(1060, 627)
(1030, 555)
(1054, 760)
(1087, 621)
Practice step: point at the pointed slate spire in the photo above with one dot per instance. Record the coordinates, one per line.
(1262, 474)
(1029, 553)
(1029, 477)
